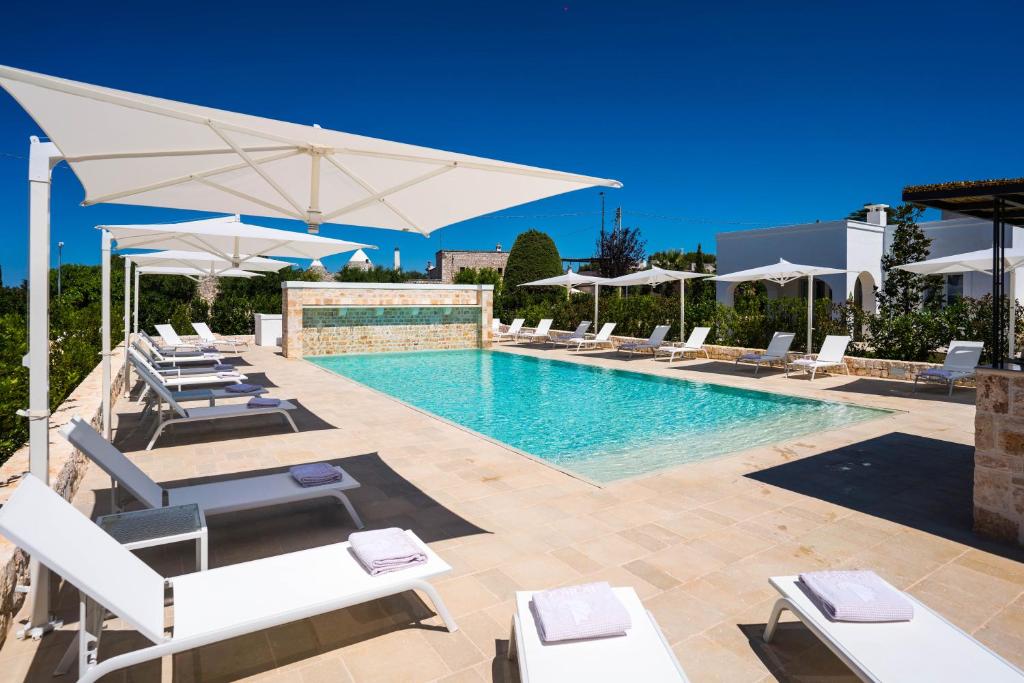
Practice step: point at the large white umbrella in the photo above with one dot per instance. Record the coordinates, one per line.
(128, 148)
(205, 262)
(134, 149)
(570, 280)
(654, 276)
(979, 262)
(781, 273)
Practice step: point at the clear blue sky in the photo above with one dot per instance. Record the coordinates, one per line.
(721, 115)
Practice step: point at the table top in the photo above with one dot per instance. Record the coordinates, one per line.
(147, 525)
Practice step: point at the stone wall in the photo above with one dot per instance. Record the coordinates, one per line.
(346, 317)
(999, 455)
(67, 466)
(450, 263)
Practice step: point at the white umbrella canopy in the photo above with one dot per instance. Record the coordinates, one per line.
(781, 273)
(194, 272)
(981, 262)
(655, 275)
(230, 239)
(204, 263)
(128, 148)
(570, 281)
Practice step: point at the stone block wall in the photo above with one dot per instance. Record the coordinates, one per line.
(999, 455)
(346, 317)
(67, 466)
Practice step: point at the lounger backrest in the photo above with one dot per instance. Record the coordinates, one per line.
(169, 336)
(605, 333)
(833, 348)
(161, 390)
(779, 345)
(82, 436)
(544, 326)
(516, 325)
(151, 348)
(697, 337)
(963, 355)
(496, 325)
(49, 529)
(204, 332)
(139, 356)
(581, 329)
(658, 336)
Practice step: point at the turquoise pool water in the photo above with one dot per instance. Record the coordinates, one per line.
(602, 424)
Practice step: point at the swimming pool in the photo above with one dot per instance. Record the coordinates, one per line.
(603, 424)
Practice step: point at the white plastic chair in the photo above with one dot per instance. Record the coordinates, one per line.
(695, 344)
(777, 351)
(831, 355)
(210, 339)
(210, 606)
(652, 344)
(962, 358)
(604, 337)
(540, 333)
(579, 333)
(513, 330)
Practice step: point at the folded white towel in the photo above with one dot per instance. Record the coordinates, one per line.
(857, 596)
(575, 612)
(385, 550)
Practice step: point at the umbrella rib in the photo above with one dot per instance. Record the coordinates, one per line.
(176, 153)
(379, 196)
(185, 178)
(256, 167)
(484, 166)
(249, 197)
(373, 191)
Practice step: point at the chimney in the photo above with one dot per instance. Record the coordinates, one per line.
(497, 247)
(398, 260)
(877, 214)
(430, 266)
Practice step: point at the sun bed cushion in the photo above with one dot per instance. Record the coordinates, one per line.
(928, 648)
(641, 655)
(261, 590)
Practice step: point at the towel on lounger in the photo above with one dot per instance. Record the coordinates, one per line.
(857, 596)
(224, 367)
(316, 474)
(261, 402)
(242, 388)
(587, 611)
(385, 550)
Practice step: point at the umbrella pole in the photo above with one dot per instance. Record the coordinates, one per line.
(1013, 313)
(105, 332)
(810, 312)
(127, 319)
(682, 309)
(597, 293)
(135, 326)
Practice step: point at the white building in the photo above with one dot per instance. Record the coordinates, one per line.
(855, 246)
(360, 261)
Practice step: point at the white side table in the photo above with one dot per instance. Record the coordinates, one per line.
(160, 526)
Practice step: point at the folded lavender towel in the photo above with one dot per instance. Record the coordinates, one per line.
(385, 550)
(857, 596)
(263, 402)
(315, 474)
(587, 611)
(242, 388)
(224, 367)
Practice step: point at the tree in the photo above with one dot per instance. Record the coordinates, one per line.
(903, 292)
(621, 251)
(533, 256)
(480, 276)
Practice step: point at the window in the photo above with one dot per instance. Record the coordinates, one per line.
(501, 271)
(954, 288)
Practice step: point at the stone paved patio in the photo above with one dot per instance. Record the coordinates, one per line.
(698, 542)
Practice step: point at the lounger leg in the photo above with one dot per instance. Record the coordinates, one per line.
(511, 654)
(914, 390)
(343, 499)
(757, 368)
(156, 434)
(950, 388)
(773, 621)
(290, 420)
(439, 606)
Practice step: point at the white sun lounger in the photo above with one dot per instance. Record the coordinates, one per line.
(652, 344)
(695, 344)
(513, 330)
(642, 655)
(833, 349)
(181, 414)
(777, 352)
(210, 606)
(927, 648)
(163, 357)
(176, 379)
(961, 360)
(540, 333)
(230, 495)
(210, 339)
(604, 337)
(171, 338)
(579, 333)
(495, 326)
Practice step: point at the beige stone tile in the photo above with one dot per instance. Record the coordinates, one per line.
(398, 656)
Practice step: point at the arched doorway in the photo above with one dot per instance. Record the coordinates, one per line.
(864, 292)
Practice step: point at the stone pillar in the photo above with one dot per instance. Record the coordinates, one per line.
(999, 455)
(291, 322)
(486, 316)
